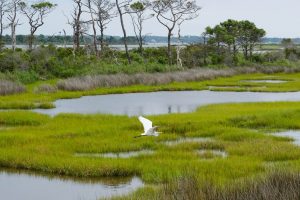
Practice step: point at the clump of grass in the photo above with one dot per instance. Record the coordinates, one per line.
(185, 187)
(22, 118)
(46, 88)
(10, 87)
(92, 82)
(275, 186)
(45, 105)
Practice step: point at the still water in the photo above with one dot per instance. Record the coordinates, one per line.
(16, 185)
(293, 134)
(129, 154)
(160, 102)
(266, 81)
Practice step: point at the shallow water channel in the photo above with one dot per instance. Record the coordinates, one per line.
(160, 102)
(16, 185)
(293, 134)
(266, 81)
(23, 185)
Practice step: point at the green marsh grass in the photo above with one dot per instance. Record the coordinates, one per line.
(42, 94)
(276, 185)
(40, 143)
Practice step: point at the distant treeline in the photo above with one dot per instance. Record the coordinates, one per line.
(279, 40)
(60, 40)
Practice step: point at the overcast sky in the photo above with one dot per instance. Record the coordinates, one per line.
(280, 18)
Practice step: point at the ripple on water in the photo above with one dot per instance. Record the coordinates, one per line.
(129, 154)
(16, 185)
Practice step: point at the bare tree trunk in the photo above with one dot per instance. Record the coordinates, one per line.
(94, 29)
(178, 49)
(77, 24)
(141, 39)
(65, 35)
(124, 31)
(205, 49)
(13, 37)
(31, 38)
(77, 39)
(86, 46)
(138, 33)
(169, 47)
(13, 22)
(3, 10)
(141, 43)
(102, 39)
(30, 41)
(74, 44)
(1, 24)
(251, 51)
(95, 38)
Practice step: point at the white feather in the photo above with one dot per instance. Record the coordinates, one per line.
(147, 124)
(149, 130)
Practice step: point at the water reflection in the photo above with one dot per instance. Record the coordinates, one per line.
(160, 102)
(21, 185)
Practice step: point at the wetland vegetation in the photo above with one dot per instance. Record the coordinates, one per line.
(37, 142)
(233, 150)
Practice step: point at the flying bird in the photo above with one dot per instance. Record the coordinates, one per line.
(148, 129)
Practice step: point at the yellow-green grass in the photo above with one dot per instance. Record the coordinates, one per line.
(31, 99)
(40, 143)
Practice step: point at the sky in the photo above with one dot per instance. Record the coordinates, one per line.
(280, 18)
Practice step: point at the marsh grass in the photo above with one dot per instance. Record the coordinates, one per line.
(9, 87)
(39, 143)
(117, 80)
(274, 186)
(46, 88)
(92, 82)
(46, 95)
(21, 118)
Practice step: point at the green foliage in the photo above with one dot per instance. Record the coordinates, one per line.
(43, 5)
(230, 36)
(137, 6)
(47, 62)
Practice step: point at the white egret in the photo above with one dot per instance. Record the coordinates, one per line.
(148, 129)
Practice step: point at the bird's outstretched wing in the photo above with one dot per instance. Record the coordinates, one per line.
(146, 123)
